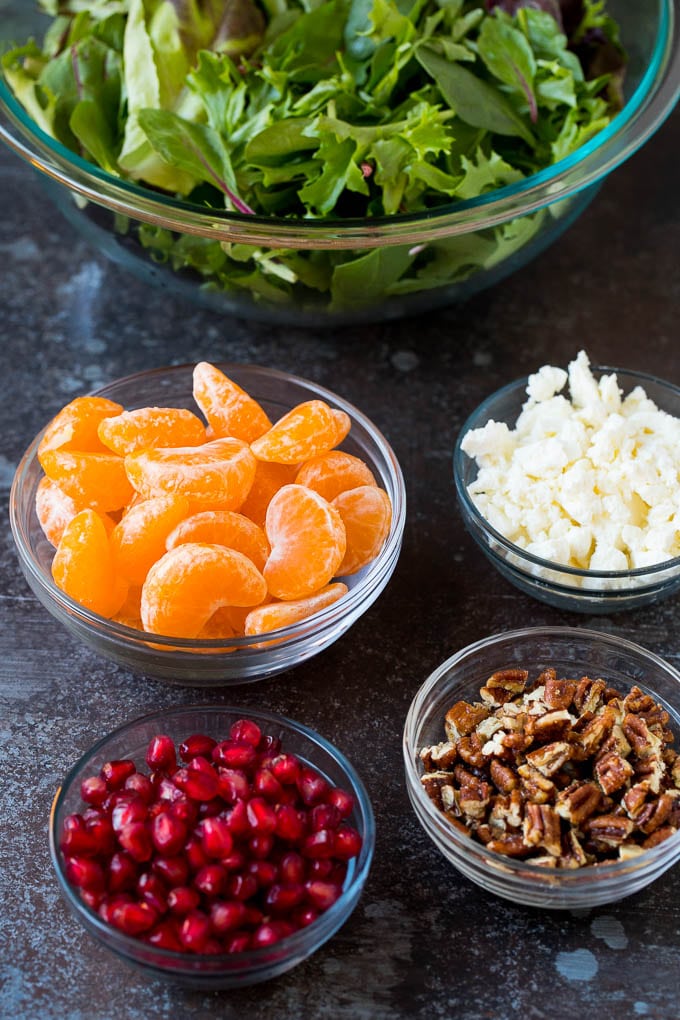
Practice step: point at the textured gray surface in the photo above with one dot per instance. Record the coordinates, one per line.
(423, 941)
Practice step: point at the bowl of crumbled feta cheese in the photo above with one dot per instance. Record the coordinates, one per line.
(569, 480)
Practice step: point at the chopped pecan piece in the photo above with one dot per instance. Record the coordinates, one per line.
(594, 733)
(432, 784)
(462, 718)
(675, 772)
(589, 694)
(502, 777)
(470, 750)
(651, 770)
(542, 828)
(608, 830)
(655, 813)
(634, 799)
(616, 741)
(438, 756)
(535, 787)
(554, 725)
(574, 856)
(558, 693)
(577, 803)
(551, 757)
(506, 811)
(612, 772)
(659, 836)
(503, 685)
(636, 701)
(511, 846)
(640, 737)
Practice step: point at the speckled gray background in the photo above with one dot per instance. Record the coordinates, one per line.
(423, 942)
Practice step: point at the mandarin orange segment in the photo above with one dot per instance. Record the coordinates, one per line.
(311, 428)
(228, 409)
(307, 538)
(84, 568)
(264, 619)
(343, 424)
(75, 427)
(191, 582)
(54, 509)
(129, 613)
(228, 622)
(223, 527)
(97, 480)
(269, 478)
(219, 472)
(138, 540)
(148, 427)
(367, 515)
(333, 472)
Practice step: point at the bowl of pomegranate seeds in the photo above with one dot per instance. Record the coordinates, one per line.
(541, 763)
(212, 848)
(208, 524)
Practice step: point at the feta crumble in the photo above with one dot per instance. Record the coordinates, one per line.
(590, 480)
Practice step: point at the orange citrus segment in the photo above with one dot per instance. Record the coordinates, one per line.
(343, 424)
(138, 540)
(264, 619)
(54, 510)
(190, 582)
(367, 514)
(97, 480)
(228, 409)
(269, 478)
(223, 527)
(83, 565)
(309, 429)
(129, 613)
(221, 471)
(333, 472)
(147, 427)
(307, 539)
(75, 427)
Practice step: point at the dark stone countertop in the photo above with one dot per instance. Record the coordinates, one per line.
(423, 942)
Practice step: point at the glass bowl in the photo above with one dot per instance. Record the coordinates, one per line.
(565, 587)
(207, 662)
(472, 243)
(205, 971)
(573, 652)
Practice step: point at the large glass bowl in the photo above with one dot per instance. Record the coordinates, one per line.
(573, 652)
(566, 587)
(207, 662)
(529, 215)
(216, 971)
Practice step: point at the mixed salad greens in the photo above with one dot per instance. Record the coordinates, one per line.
(323, 109)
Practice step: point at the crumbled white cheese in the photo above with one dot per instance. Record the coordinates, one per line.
(590, 480)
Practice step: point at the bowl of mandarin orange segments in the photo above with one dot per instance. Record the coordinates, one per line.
(208, 524)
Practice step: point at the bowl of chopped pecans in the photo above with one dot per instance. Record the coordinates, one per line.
(541, 764)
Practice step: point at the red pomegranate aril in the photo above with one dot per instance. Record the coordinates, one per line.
(212, 947)
(282, 897)
(92, 897)
(101, 830)
(194, 931)
(304, 915)
(226, 915)
(241, 886)
(253, 916)
(238, 943)
(85, 873)
(245, 731)
(182, 900)
(151, 890)
(312, 787)
(125, 812)
(94, 790)
(184, 810)
(198, 744)
(196, 784)
(233, 784)
(267, 785)
(324, 816)
(269, 746)
(320, 867)
(110, 903)
(292, 867)
(322, 895)
(216, 837)
(164, 936)
(211, 880)
(342, 800)
(136, 839)
(75, 838)
(264, 872)
(235, 754)
(338, 873)
(261, 815)
(347, 843)
(235, 861)
(318, 844)
(161, 754)
(141, 785)
(285, 768)
(290, 824)
(168, 791)
(122, 872)
(173, 870)
(114, 773)
(168, 834)
(133, 918)
(269, 933)
(237, 818)
(196, 856)
(261, 845)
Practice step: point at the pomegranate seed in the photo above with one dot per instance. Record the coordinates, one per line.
(133, 918)
(225, 915)
(194, 931)
(252, 917)
(269, 746)
(261, 815)
(281, 898)
(319, 868)
(338, 873)
(110, 903)
(235, 755)
(211, 880)
(196, 856)
(264, 872)
(173, 870)
(168, 834)
(303, 916)
(261, 845)
(196, 784)
(85, 873)
(216, 837)
(235, 861)
(75, 838)
(233, 784)
(161, 754)
(269, 933)
(184, 810)
(202, 764)
(238, 943)
(212, 947)
(125, 812)
(266, 784)
(197, 744)
(312, 787)
(141, 785)
(290, 823)
(151, 890)
(164, 936)
(123, 872)
(101, 830)
(182, 900)
(168, 791)
(318, 844)
(341, 800)
(94, 790)
(324, 816)
(292, 867)
(136, 840)
(92, 897)
(285, 768)
(237, 818)
(245, 731)
(322, 895)
(347, 843)
(114, 773)
(241, 886)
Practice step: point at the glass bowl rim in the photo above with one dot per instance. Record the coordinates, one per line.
(517, 551)
(250, 958)
(642, 114)
(492, 861)
(282, 637)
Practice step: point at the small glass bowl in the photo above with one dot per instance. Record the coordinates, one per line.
(572, 652)
(565, 587)
(206, 662)
(226, 970)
